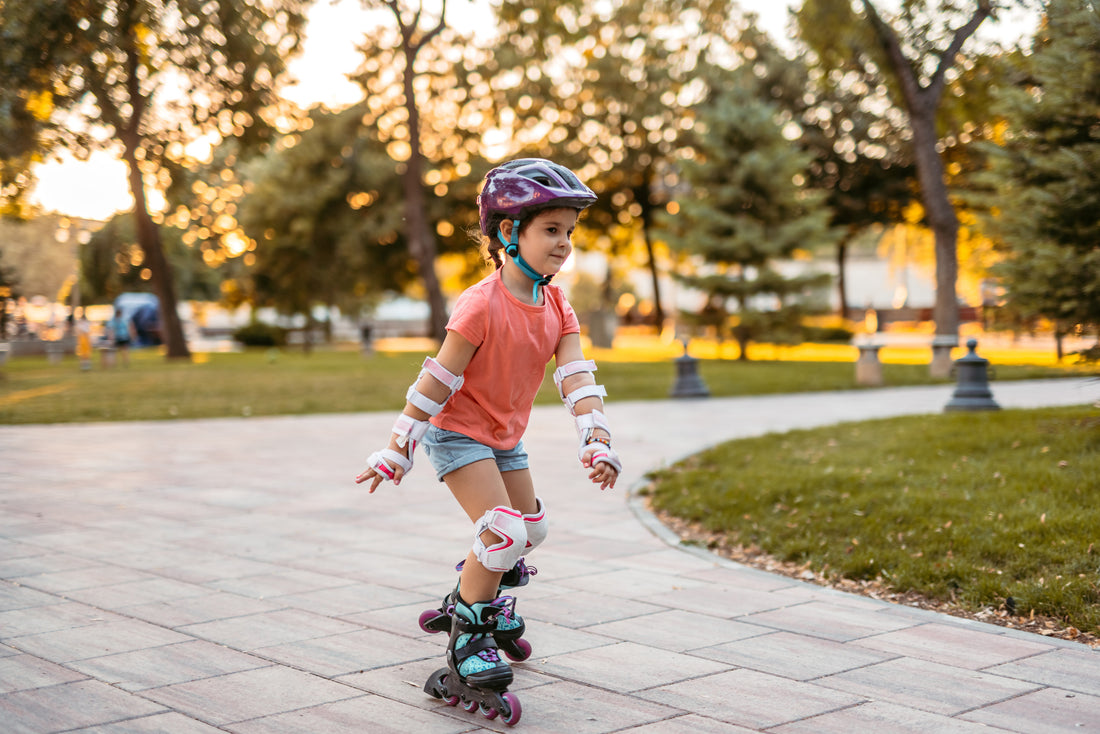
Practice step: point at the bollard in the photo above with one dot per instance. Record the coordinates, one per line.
(688, 382)
(868, 366)
(941, 364)
(973, 391)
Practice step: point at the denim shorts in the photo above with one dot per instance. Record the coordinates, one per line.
(448, 451)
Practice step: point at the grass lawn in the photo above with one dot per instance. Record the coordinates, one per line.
(994, 510)
(284, 382)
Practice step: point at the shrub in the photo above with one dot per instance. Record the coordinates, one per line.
(259, 334)
(826, 334)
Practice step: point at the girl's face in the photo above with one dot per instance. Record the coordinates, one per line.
(545, 242)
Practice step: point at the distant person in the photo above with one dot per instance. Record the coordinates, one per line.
(122, 335)
(84, 343)
(470, 408)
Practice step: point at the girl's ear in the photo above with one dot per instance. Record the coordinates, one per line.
(506, 229)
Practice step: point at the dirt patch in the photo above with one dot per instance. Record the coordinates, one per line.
(875, 589)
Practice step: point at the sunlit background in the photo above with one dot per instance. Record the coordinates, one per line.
(96, 188)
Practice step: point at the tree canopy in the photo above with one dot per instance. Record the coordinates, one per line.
(146, 78)
(744, 206)
(919, 47)
(1045, 174)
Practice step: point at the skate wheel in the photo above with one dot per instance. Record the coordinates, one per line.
(512, 714)
(428, 615)
(470, 706)
(488, 712)
(449, 700)
(519, 650)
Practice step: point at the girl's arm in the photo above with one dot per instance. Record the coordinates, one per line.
(454, 356)
(595, 451)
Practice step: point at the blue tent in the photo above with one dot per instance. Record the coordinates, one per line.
(143, 311)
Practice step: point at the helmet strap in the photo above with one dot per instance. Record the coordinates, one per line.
(511, 248)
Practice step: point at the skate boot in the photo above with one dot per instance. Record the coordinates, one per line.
(475, 675)
(510, 626)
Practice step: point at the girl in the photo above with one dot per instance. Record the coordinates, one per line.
(470, 405)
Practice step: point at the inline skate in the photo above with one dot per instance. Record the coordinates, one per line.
(475, 675)
(510, 626)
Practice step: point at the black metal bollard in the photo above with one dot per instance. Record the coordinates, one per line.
(688, 382)
(972, 392)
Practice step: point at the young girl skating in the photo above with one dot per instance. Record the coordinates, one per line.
(469, 408)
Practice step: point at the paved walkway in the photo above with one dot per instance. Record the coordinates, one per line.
(227, 576)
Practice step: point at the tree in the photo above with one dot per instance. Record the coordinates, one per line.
(9, 289)
(609, 104)
(324, 209)
(921, 46)
(112, 262)
(1045, 174)
(41, 247)
(156, 75)
(746, 207)
(859, 158)
(413, 39)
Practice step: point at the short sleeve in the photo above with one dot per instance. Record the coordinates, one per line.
(470, 317)
(569, 322)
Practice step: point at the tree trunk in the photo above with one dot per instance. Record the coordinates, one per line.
(921, 103)
(171, 328)
(841, 279)
(742, 347)
(941, 218)
(647, 220)
(417, 230)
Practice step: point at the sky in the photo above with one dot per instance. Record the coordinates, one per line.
(97, 188)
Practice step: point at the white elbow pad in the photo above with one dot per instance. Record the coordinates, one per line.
(585, 391)
(444, 376)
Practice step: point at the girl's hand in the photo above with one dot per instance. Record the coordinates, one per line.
(605, 470)
(377, 474)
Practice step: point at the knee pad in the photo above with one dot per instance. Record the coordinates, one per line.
(537, 526)
(510, 526)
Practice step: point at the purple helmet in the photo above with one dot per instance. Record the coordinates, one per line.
(516, 187)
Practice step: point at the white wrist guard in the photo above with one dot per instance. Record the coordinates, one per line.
(409, 432)
(451, 381)
(378, 459)
(587, 423)
(586, 391)
(604, 454)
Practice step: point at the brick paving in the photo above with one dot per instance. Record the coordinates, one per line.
(196, 577)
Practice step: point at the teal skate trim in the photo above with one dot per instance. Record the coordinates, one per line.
(509, 623)
(474, 663)
(486, 658)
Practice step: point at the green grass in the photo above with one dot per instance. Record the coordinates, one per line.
(287, 382)
(968, 507)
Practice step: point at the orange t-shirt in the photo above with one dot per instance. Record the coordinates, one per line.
(515, 342)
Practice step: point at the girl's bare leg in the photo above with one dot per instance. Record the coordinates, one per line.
(478, 487)
(521, 490)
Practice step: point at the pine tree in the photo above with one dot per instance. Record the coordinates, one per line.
(746, 207)
(1046, 175)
